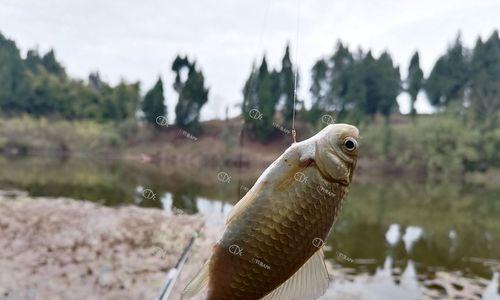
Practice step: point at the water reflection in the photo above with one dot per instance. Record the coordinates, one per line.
(388, 282)
(492, 291)
(411, 236)
(214, 211)
(393, 234)
(381, 285)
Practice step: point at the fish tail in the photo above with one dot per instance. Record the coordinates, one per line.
(197, 283)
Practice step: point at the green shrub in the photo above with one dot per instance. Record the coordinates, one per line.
(438, 145)
(40, 134)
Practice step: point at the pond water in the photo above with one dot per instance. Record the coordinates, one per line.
(395, 238)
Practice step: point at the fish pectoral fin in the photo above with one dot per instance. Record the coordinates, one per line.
(245, 202)
(309, 282)
(197, 283)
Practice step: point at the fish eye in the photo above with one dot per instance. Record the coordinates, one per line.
(350, 144)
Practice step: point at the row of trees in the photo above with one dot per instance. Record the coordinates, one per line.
(268, 92)
(356, 85)
(469, 80)
(38, 85)
(350, 84)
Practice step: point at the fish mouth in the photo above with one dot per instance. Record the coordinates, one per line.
(344, 183)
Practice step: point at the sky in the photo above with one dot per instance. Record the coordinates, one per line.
(138, 40)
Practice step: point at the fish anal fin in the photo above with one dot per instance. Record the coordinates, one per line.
(197, 283)
(309, 282)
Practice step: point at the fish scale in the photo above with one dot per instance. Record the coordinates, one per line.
(273, 231)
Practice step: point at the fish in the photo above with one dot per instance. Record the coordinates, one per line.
(271, 247)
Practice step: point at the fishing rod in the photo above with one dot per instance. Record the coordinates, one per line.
(173, 273)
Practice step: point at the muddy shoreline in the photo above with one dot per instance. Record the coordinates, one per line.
(59, 248)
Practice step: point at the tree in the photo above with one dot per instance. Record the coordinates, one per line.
(355, 84)
(318, 90)
(448, 79)
(39, 85)
(414, 81)
(287, 85)
(485, 81)
(192, 94)
(261, 95)
(371, 85)
(340, 76)
(153, 104)
(14, 85)
(337, 83)
(389, 84)
(52, 65)
(178, 65)
(95, 81)
(319, 75)
(33, 61)
(126, 99)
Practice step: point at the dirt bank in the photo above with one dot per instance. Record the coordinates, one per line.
(66, 249)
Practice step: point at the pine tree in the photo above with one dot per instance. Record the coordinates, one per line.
(261, 94)
(448, 79)
(318, 77)
(192, 95)
(153, 104)
(370, 101)
(340, 77)
(414, 81)
(33, 61)
(318, 90)
(389, 84)
(95, 81)
(250, 99)
(14, 84)
(51, 64)
(372, 85)
(485, 81)
(287, 85)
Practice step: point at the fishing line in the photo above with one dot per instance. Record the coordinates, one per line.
(296, 75)
(251, 87)
(252, 82)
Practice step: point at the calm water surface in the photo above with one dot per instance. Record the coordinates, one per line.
(395, 239)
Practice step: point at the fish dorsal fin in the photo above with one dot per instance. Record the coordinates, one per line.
(309, 282)
(197, 283)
